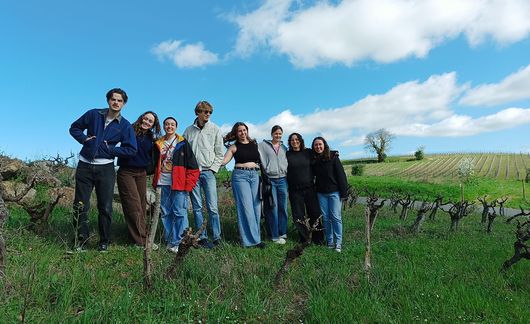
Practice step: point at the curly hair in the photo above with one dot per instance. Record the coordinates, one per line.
(300, 139)
(325, 155)
(154, 131)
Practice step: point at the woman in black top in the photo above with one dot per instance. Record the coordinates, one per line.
(332, 187)
(302, 194)
(245, 183)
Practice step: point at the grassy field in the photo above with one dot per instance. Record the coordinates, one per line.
(435, 276)
(496, 175)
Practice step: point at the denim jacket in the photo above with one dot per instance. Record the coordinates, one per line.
(104, 145)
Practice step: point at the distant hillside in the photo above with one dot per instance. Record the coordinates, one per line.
(490, 165)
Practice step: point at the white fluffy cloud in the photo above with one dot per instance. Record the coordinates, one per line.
(458, 125)
(384, 30)
(412, 108)
(514, 87)
(185, 56)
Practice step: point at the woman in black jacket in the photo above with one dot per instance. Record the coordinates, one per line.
(332, 187)
(301, 184)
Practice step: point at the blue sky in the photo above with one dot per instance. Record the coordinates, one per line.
(453, 76)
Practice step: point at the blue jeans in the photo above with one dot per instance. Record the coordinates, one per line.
(330, 206)
(276, 217)
(174, 214)
(208, 183)
(245, 184)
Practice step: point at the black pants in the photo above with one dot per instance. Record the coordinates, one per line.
(302, 201)
(102, 178)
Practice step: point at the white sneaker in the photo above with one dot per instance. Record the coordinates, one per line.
(284, 236)
(338, 248)
(279, 241)
(174, 249)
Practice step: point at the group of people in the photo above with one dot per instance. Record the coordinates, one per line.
(184, 166)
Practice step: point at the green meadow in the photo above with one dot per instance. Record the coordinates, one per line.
(434, 276)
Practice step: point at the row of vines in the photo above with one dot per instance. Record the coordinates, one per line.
(490, 165)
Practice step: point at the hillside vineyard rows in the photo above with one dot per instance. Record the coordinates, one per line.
(489, 165)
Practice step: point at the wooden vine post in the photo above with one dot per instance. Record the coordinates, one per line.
(367, 244)
(153, 224)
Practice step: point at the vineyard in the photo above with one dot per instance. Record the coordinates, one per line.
(489, 165)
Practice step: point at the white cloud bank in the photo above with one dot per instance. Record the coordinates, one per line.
(414, 108)
(514, 87)
(384, 30)
(184, 56)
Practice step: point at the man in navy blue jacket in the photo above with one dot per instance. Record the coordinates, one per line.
(105, 129)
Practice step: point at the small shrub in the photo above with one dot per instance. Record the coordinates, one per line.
(357, 169)
(466, 170)
(527, 179)
(420, 153)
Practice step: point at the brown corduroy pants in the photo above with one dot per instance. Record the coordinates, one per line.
(132, 185)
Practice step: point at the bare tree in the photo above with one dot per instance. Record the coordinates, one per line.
(353, 196)
(406, 203)
(491, 217)
(373, 207)
(189, 240)
(379, 143)
(521, 248)
(298, 249)
(394, 201)
(522, 213)
(458, 211)
(420, 218)
(501, 202)
(438, 202)
(486, 207)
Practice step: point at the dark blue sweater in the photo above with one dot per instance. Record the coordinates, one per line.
(145, 144)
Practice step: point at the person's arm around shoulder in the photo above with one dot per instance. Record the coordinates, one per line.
(218, 151)
(128, 145)
(229, 154)
(341, 177)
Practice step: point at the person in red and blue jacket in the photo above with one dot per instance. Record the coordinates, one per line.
(105, 128)
(176, 173)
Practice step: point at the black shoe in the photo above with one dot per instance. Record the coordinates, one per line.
(216, 242)
(205, 244)
(260, 245)
(103, 247)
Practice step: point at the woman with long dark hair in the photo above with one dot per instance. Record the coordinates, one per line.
(245, 183)
(132, 176)
(332, 187)
(302, 192)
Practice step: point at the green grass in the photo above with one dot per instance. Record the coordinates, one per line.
(449, 189)
(435, 276)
